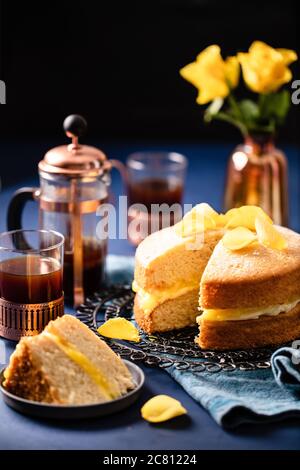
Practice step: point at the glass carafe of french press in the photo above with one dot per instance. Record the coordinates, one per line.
(74, 182)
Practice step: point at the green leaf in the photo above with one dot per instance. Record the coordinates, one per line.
(234, 108)
(275, 105)
(282, 103)
(249, 110)
(246, 112)
(269, 128)
(224, 116)
(249, 116)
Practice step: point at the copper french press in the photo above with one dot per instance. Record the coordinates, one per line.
(74, 181)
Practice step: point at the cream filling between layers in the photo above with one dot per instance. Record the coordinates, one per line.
(245, 313)
(83, 361)
(148, 301)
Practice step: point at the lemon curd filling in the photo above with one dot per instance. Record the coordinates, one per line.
(80, 359)
(150, 300)
(245, 313)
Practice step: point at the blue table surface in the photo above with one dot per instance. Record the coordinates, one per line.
(126, 430)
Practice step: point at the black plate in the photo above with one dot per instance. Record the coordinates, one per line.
(45, 410)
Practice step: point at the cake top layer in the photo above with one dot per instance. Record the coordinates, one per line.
(157, 244)
(165, 259)
(254, 276)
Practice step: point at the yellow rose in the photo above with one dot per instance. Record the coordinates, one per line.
(265, 69)
(213, 76)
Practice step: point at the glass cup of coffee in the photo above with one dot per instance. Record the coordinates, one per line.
(31, 281)
(155, 184)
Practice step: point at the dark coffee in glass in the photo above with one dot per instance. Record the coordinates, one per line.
(31, 281)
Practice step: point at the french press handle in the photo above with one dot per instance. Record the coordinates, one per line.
(16, 206)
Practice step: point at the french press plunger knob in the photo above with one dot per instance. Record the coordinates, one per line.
(75, 125)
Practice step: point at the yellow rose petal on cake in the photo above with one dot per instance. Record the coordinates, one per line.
(245, 216)
(205, 209)
(202, 217)
(222, 220)
(268, 235)
(162, 408)
(119, 328)
(194, 224)
(238, 238)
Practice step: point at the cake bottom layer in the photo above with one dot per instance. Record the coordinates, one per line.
(170, 315)
(247, 334)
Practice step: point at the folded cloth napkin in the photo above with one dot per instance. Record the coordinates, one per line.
(286, 368)
(237, 397)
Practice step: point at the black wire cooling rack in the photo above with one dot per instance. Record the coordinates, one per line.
(176, 348)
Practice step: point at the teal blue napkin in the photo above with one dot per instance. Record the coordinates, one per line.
(234, 398)
(286, 368)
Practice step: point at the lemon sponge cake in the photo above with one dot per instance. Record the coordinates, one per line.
(246, 271)
(168, 268)
(66, 364)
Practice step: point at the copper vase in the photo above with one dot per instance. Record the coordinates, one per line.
(257, 175)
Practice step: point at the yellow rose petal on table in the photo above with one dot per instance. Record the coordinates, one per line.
(245, 216)
(238, 238)
(162, 408)
(119, 328)
(268, 235)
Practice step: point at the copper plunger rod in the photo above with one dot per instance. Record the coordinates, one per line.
(77, 246)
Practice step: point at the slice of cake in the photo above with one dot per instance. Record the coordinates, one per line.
(250, 289)
(168, 268)
(66, 364)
